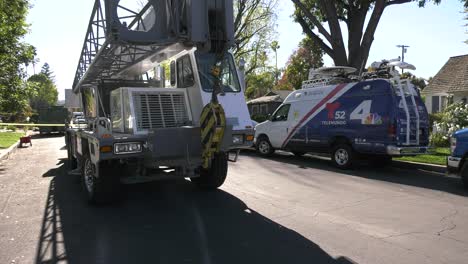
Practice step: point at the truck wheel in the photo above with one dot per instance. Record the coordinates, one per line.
(464, 174)
(343, 156)
(214, 177)
(72, 162)
(264, 146)
(100, 185)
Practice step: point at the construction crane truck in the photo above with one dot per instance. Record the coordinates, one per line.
(161, 95)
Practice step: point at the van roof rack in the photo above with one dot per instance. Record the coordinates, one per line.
(342, 74)
(386, 69)
(328, 75)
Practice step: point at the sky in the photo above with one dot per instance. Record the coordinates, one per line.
(434, 34)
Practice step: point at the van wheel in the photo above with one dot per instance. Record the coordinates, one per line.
(213, 177)
(100, 185)
(464, 174)
(343, 156)
(264, 147)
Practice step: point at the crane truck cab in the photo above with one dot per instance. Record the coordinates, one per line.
(161, 95)
(377, 116)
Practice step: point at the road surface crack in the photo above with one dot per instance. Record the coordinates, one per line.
(451, 226)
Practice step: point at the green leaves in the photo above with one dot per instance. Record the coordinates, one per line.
(43, 92)
(307, 56)
(14, 55)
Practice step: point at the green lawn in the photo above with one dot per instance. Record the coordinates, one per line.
(9, 138)
(438, 157)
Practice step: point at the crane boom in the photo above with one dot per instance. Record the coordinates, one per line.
(120, 39)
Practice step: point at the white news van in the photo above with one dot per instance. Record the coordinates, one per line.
(377, 116)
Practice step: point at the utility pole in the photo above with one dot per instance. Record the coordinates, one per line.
(404, 49)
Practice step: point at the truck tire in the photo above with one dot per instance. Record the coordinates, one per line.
(464, 174)
(103, 185)
(264, 146)
(343, 156)
(72, 162)
(214, 177)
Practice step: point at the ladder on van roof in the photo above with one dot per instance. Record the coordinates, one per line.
(407, 89)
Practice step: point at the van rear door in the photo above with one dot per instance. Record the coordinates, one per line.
(411, 115)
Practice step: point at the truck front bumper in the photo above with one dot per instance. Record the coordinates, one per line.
(406, 151)
(453, 163)
(242, 139)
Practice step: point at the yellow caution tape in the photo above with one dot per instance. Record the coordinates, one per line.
(32, 125)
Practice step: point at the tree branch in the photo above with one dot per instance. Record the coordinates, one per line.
(397, 2)
(314, 36)
(313, 19)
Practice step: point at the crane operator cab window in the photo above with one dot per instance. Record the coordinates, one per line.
(89, 102)
(229, 78)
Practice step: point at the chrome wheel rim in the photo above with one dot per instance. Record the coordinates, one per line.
(89, 176)
(341, 157)
(264, 147)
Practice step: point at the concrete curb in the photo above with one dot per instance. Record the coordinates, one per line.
(419, 166)
(6, 153)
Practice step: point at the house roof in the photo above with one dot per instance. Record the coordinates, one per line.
(266, 99)
(282, 93)
(452, 78)
(272, 96)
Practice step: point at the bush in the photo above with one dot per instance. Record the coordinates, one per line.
(435, 118)
(453, 118)
(439, 140)
(12, 128)
(259, 118)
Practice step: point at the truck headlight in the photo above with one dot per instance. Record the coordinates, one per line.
(128, 147)
(453, 144)
(237, 139)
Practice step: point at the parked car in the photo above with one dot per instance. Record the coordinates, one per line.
(377, 118)
(457, 162)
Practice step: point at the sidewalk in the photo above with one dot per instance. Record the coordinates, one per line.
(5, 153)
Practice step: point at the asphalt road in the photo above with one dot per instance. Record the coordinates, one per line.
(279, 210)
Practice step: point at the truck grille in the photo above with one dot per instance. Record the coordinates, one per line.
(160, 110)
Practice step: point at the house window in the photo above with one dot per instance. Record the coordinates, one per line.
(264, 109)
(464, 100)
(443, 103)
(254, 109)
(440, 102)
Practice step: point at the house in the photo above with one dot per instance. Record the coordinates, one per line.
(449, 85)
(268, 103)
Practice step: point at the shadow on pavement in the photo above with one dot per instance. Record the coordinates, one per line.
(416, 178)
(165, 222)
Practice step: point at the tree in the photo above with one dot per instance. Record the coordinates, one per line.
(14, 54)
(275, 46)
(48, 72)
(254, 30)
(45, 92)
(311, 14)
(418, 82)
(259, 84)
(307, 56)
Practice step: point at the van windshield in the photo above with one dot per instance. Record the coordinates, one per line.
(229, 78)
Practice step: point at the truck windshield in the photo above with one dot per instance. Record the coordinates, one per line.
(230, 81)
